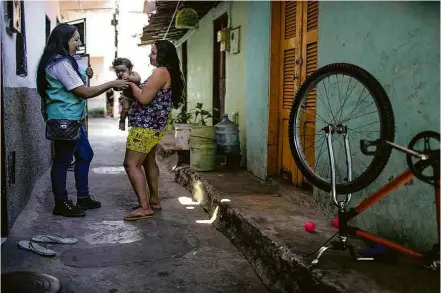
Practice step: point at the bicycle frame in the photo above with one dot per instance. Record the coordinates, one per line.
(346, 215)
(385, 190)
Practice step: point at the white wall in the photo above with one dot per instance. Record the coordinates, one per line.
(100, 39)
(130, 26)
(99, 35)
(35, 21)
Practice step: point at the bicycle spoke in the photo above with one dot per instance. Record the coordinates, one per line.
(365, 125)
(304, 112)
(361, 116)
(329, 103)
(318, 94)
(349, 118)
(356, 105)
(346, 98)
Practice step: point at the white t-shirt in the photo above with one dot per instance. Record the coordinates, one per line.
(66, 74)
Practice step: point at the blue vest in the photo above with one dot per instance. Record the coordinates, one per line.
(61, 103)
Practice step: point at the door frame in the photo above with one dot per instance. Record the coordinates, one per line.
(4, 203)
(274, 88)
(218, 101)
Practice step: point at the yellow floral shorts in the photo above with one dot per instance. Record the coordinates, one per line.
(142, 140)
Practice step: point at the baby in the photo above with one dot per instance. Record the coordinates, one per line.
(123, 69)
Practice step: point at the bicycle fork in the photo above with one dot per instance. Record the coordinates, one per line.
(340, 203)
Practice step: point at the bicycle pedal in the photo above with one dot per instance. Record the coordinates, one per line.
(319, 254)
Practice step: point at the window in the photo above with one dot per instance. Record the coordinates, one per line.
(20, 46)
(80, 24)
(16, 25)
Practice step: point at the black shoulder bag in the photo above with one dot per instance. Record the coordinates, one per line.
(61, 129)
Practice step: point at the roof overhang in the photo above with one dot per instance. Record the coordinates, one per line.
(162, 15)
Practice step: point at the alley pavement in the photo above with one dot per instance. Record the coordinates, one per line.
(176, 251)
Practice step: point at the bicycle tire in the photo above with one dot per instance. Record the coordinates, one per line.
(387, 121)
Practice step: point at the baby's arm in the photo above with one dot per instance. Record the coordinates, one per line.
(135, 78)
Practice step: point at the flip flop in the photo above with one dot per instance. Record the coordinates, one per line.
(153, 206)
(37, 248)
(137, 216)
(56, 238)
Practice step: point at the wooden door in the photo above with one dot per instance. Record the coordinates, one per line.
(297, 59)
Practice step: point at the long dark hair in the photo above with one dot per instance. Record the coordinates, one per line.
(168, 57)
(57, 44)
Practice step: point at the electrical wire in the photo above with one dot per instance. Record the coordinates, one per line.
(326, 242)
(171, 21)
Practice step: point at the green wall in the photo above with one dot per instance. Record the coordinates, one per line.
(257, 85)
(399, 43)
(200, 64)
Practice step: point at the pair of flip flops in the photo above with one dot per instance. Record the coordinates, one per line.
(37, 243)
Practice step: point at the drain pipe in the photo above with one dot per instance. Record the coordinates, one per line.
(115, 24)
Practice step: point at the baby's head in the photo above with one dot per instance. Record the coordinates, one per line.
(123, 67)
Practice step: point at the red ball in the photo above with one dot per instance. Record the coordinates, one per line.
(309, 226)
(335, 223)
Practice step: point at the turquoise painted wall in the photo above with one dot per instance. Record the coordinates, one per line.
(399, 43)
(257, 82)
(200, 65)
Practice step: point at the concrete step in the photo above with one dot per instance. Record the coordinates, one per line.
(268, 227)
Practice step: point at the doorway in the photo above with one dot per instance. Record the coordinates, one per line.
(219, 74)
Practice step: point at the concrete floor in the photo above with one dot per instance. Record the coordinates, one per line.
(173, 252)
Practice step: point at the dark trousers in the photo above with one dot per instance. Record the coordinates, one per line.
(64, 151)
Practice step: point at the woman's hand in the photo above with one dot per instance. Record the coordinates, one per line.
(120, 84)
(89, 72)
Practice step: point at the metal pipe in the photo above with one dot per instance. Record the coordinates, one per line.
(348, 165)
(332, 165)
(407, 151)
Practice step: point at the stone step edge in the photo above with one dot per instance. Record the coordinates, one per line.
(279, 268)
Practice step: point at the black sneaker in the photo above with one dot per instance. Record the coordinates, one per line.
(88, 203)
(66, 208)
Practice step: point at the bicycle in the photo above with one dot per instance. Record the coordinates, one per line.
(307, 113)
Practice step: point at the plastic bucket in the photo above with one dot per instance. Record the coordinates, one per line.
(203, 156)
(182, 136)
(203, 135)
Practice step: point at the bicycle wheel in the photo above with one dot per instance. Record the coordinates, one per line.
(310, 113)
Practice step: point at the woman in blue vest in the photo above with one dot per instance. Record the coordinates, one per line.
(62, 87)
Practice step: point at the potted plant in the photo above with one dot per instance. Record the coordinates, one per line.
(201, 114)
(201, 132)
(202, 141)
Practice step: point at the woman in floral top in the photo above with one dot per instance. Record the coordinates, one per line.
(148, 118)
